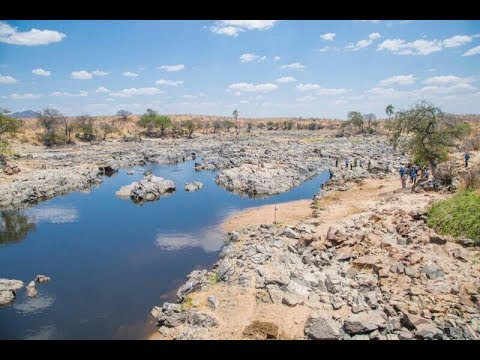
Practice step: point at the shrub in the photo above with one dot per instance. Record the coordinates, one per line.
(471, 179)
(446, 172)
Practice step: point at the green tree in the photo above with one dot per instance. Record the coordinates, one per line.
(356, 119)
(84, 124)
(8, 127)
(190, 126)
(228, 125)
(426, 132)
(389, 111)
(107, 129)
(150, 120)
(235, 115)
(270, 125)
(50, 120)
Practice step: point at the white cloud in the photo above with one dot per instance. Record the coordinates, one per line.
(328, 36)
(102, 89)
(10, 35)
(472, 51)
(137, 91)
(262, 59)
(417, 47)
(307, 87)
(372, 21)
(81, 75)
(99, 73)
(249, 87)
(64, 93)
(457, 40)
(306, 98)
(447, 80)
(130, 74)
(25, 96)
(440, 90)
(294, 66)
(5, 79)
(363, 43)
(244, 102)
(189, 96)
(41, 72)
(172, 68)
(168, 82)
(248, 57)
(398, 79)
(286, 79)
(276, 58)
(110, 99)
(234, 27)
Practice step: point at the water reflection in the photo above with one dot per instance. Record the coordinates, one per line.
(52, 214)
(209, 240)
(34, 305)
(14, 227)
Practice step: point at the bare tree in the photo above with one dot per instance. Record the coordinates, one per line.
(370, 119)
(235, 115)
(50, 120)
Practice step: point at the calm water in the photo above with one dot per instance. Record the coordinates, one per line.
(111, 260)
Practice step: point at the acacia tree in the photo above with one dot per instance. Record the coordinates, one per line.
(8, 126)
(426, 132)
(370, 119)
(389, 111)
(235, 115)
(50, 119)
(190, 126)
(84, 123)
(356, 119)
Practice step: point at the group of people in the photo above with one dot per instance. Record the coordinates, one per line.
(349, 164)
(411, 171)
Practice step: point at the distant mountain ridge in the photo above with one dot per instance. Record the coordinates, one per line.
(24, 114)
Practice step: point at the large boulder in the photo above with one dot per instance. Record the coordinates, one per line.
(322, 327)
(193, 186)
(365, 322)
(6, 297)
(150, 188)
(7, 284)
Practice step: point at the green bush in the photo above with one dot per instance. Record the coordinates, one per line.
(457, 216)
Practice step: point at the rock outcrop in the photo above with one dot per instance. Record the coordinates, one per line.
(150, 188)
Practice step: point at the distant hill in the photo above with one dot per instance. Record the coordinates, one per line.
(24, 114)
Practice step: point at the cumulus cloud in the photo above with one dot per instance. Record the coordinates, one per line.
(286, 79)
(248, 57)
(372, 21)
(33, 37)
(168, 82)
(307, 87)
(136, 92)
(5, 79)
(235, 27)
(130, 74)
(472, 51)
(457, 40)
(41, 72)
(249, 87)
(81, 75)
(306, 98)
(99, 73)
(172, 68)
(398, 79)
(102, 89)
(64, 93)
(328, 36)
(25, 96)
(294, 66)
(363, 43)
(276, 58)
(447, 80)
(320, 91)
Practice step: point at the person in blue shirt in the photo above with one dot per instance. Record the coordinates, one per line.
(403, 177)
(467, 157)
(426, 173)
(413, 176)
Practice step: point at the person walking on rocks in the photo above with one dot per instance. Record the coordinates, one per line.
(467, 157)
(413, 177)
(426, 173)
(403, 177)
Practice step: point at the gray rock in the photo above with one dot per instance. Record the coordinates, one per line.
(290, 233)
(292, 299)
(193, 186)
(42, 278)
(6, 284)
(213, 302)
(150, 188)
(156, 311)
(6, 297)
(365, 322)
(360, 337)
(461, 255)
(201, 320)
(437, 239)
(428, 332)
(466, 242)
(276, 295)
(31, 290)
(225, 270)
(432, 271)
(322, 327)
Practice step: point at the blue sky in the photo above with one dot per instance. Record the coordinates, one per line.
(263, 68)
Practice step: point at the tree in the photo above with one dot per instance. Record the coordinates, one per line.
(370, 120)
(84, 123)
(426, 132)
(356, 119)
(270, 125)
(150, 120)
(249, 126)
(217, 126)
(50, 119)
(123, 114)
(190, 126)
(389, 111)
(260, 125)
(107, 129)
(235, 115)
(8, 127)
(228, 124)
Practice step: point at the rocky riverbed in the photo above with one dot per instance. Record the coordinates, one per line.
(371, 272)
(256, 165)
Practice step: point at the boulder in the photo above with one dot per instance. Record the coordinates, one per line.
(213, 302)
(6, 297)
(31, 290)
(150, 188)
(193, 186)
(290, 233)
(428, 332)
(6, 284)
(365, 322)
(432, 271)
(437, 239)
(461, 255)
(320, 326)
(42, 278)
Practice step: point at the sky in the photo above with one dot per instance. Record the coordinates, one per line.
(263, 68)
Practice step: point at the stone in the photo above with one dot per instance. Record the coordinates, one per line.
(428, 332)
(432, 271)
(290, 233)
(6, 297)
(405, 335)
(461, 255)
(320, 326)
(6, 284)
(193, 186)
(225, 270)
(233, 236)
(201, 320)
(276, 295)
(412, 322)
(292, 299)
(365, 322)
(150, 188)
(466, 242)
(437, 239)
(42, 278)
(213, 302)
(361, 337)
(156, 311)
(31, 290)
(411, 272)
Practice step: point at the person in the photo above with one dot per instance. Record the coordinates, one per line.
(403, 177)
(426, 173)
(413, 177)
(336, 162)
(331, 173)
(346, 164)
(351, 166)
(467, 157)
